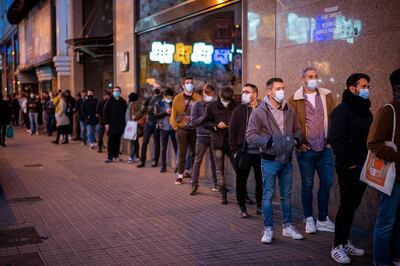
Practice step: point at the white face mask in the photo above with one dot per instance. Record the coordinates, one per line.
(279, 96)
(168, 100)
(189, 87)
(208, 98)
(246, 98)
(312, 84)
(225, 103)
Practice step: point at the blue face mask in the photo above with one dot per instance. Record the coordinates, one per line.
(117, 94)
(364, 93)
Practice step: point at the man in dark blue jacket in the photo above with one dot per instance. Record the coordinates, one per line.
(89, 111)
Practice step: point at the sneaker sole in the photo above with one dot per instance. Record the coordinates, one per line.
(325, 230)
(292, 237)
(341, 262)
(266, 242)
(311, 232)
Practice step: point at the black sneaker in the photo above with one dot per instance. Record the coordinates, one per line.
(108, 160)
(163, 169)
(141, 165)
(195, 190)
(223, 200)
(259, 211)
(243, 214)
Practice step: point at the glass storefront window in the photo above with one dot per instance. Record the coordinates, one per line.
(206, 47)
(149, 7)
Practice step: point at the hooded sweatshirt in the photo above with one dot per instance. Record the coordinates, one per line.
(274, 131)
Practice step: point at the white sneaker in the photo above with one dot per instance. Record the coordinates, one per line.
(310, 225)
(179, 180)
(267, 235)
(290, 231)
(339, 255)
(326, 226)
(352, 250)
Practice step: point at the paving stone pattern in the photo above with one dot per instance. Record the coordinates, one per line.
(116, 214)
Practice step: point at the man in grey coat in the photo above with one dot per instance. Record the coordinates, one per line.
(275, 129)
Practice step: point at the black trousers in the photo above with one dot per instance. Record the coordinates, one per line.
(165, 135)
(351, 193)
(100, 141)
(149, 130)
(3, 130)
(71, 124)
(114, 142)
(15, 118)
(62, 130)
(242, 174)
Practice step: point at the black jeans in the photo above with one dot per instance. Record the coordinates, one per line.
(186, 138)
(242, 174)
(164, 145)
(351, 193)
(114, 142)
(134, 148)
(3, 130)
(100, 141)
(150, 129)
(62, 130)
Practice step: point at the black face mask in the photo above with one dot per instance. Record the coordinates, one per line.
(90, 96)
(156, 91)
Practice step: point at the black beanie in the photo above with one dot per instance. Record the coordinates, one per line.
(133, 97)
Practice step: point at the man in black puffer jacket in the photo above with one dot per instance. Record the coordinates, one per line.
(217, 118)
(114, 123)
(89, 111)
(350, 124)
(246, 156)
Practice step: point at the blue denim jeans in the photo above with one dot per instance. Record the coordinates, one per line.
(33, 119)
(310, 161)
(284, 172)
(90, 133)
(387, 228)
(50, 122)
(83, 130)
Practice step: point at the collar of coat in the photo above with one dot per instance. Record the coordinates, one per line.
(299, 94)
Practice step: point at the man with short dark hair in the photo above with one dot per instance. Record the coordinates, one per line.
(180, 121)
(313, 106)
(247, 155)
(89, 111)
(150, 128)
(273, 128)
(350, 124)
(203, 138)
(100, 117)
(81, 116)
(114, 123)
(217, 118)
(387, 225)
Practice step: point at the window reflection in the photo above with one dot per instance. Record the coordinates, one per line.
(327, 27)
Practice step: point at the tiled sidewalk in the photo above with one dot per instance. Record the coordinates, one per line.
(110, 214)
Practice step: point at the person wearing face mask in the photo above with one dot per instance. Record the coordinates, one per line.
(350, 124)
(274, 128)
(313, 106)
(33, 110)
(89, 111)
(203, 138)
(217, 118)
(163, 112)
(181, 115)
(246, 156)
(151, 128)
(71, 108)
(81, 116)
(100, 117)
(114, 123)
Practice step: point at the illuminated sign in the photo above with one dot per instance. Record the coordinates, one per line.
(200, 52)
(162, 52)
(182, 53)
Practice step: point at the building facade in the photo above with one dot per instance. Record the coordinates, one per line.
(226, 42)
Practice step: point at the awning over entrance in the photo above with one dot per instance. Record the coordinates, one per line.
(94, 46)
(19, 9)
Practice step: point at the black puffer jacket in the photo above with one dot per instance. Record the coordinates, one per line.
(4, 112)
(89, 110)
(114, 114)
(215, 113)
(350, 123)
